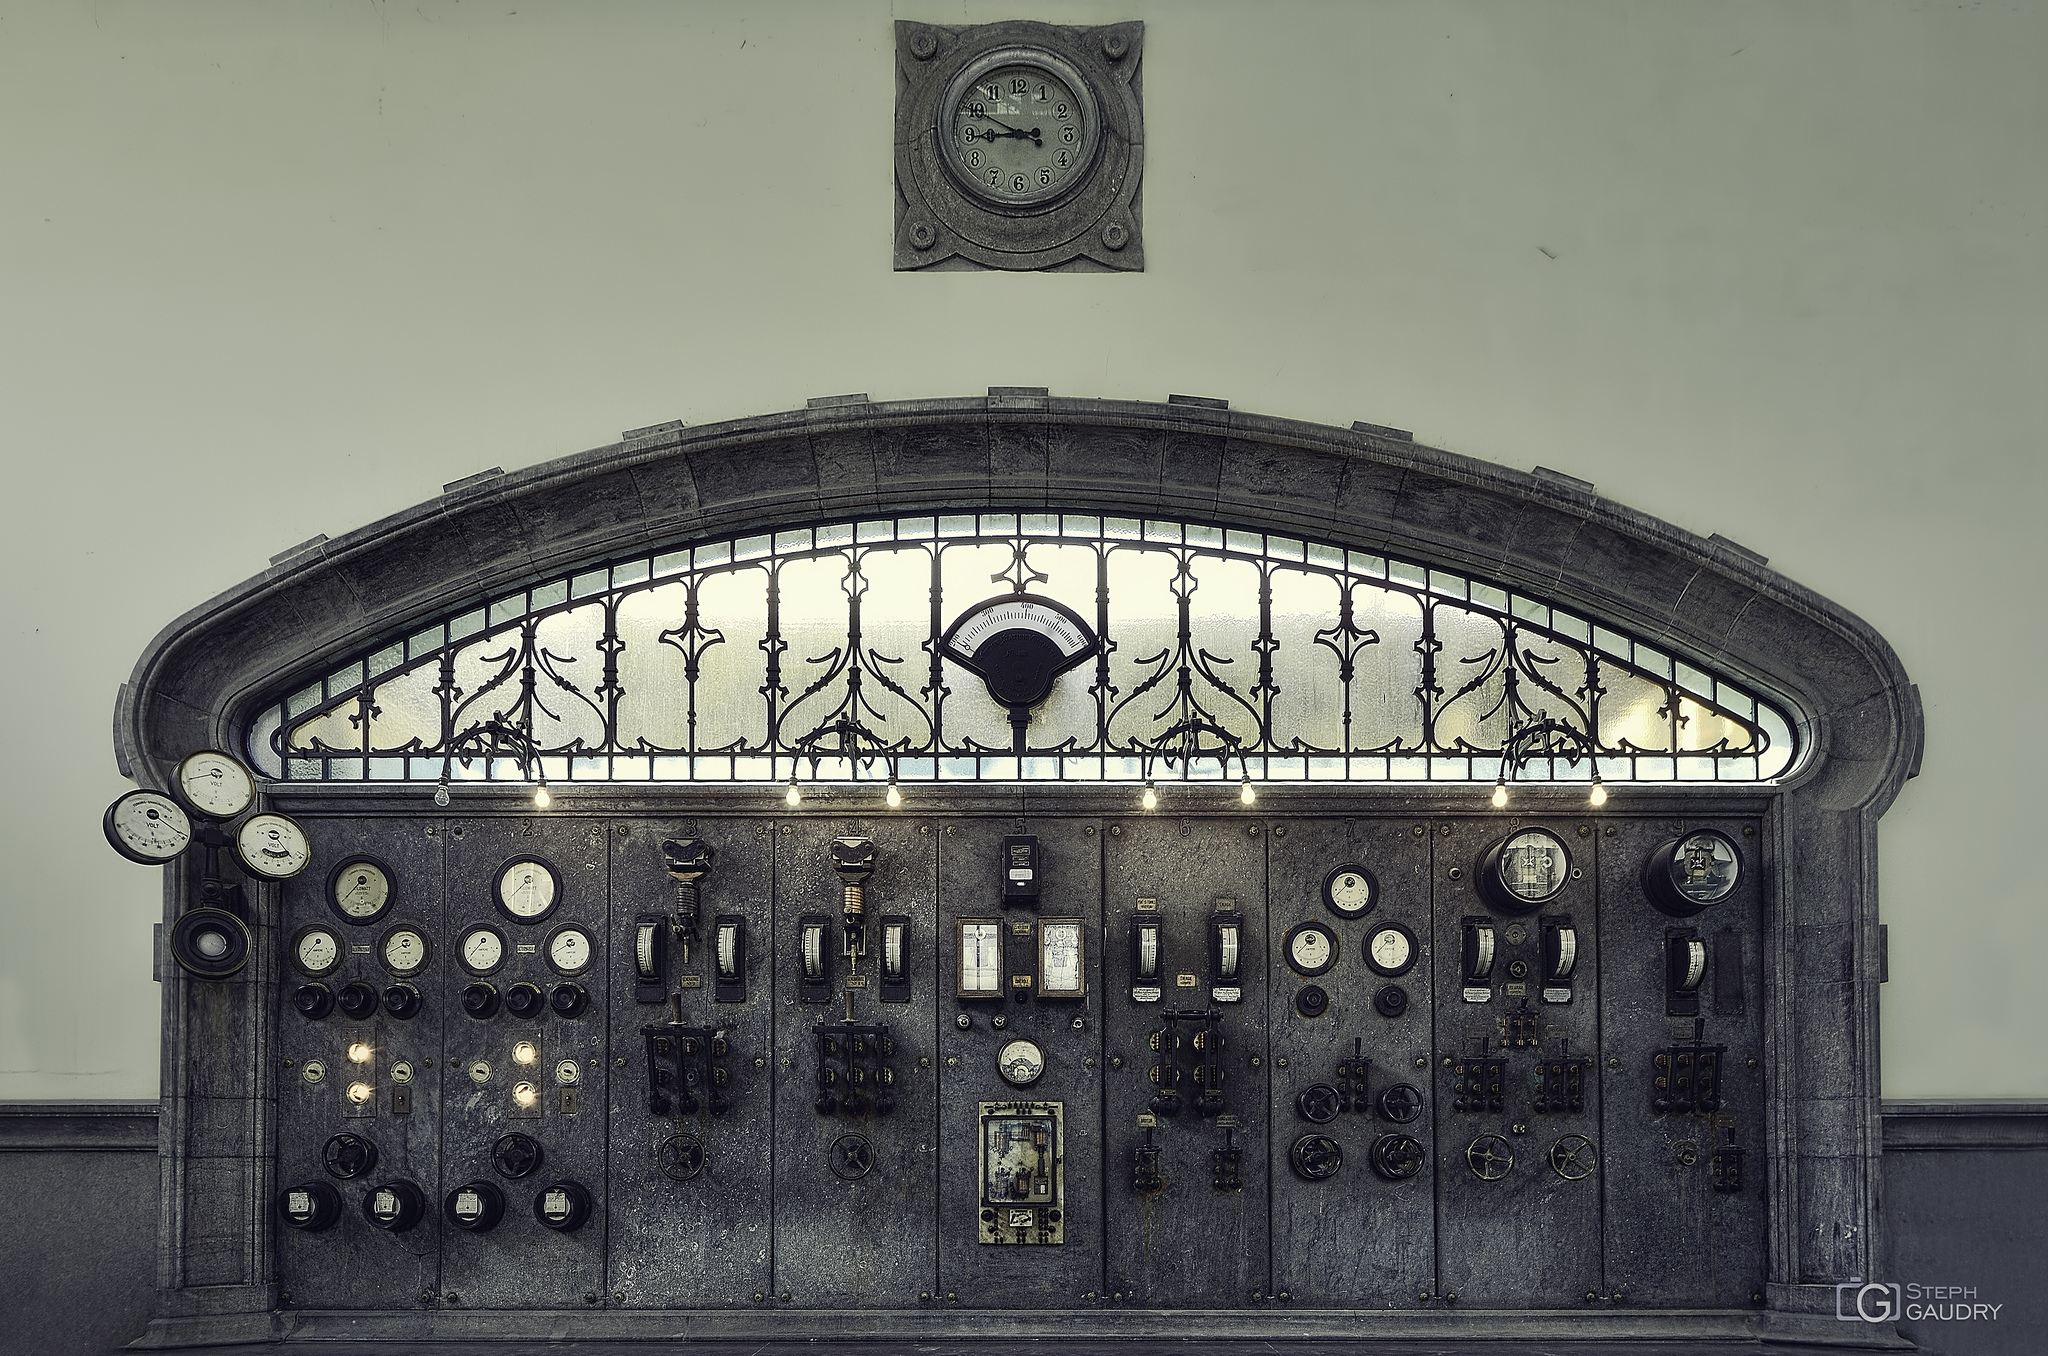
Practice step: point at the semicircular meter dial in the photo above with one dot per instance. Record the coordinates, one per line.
(214, 785)
(273, 846)
(147, 827)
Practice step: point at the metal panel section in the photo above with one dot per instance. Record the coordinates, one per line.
(1189, 1242)
(1673, 1238)
(352, 1265)
(522, 1264)
(692, 1190)
(1068, 1031)
(1515, 1231)
(1333, 1061)
(855, 1194)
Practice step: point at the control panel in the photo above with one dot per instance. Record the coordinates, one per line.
(736, 1061)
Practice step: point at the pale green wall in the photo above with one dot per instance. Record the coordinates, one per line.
(270, 270)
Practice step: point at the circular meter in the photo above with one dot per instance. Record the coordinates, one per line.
(359, 890)
(475, 1207)
(563, 1207)
(404, 949)
(569, 950)
(1021, 1062)
(316, 951)
(273, 846)
(482, 950)
(1687, 874)
(394, 1207)
(213, 785)
(147, 827)
(1311, 949)
(1350, 891)
(1390, 950)
(311, 1206)
(527, 889)
(1524, 871)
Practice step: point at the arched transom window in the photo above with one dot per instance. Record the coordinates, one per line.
(819, 652)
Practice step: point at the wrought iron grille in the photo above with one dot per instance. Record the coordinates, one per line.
(813, 652)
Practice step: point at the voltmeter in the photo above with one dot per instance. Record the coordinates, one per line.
(273, 846)
(147, 827)
(1524, 871)
(569, 950)
(1311, 949)
(1350, 891)
(1390, 950)
(213, 785)
(1021, 1062)
(528, 889)
(1687, 874)
(481, 950)
(359, 890)
(404, 949)
(316, 951)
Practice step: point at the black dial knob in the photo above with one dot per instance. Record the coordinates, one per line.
(1316, 1158)
(1390, 1001)
(523, 1001)
(568, 1000)
(1400, 1103)
(356, 1001)
(480, 1000)
(516, 1156)
(1397, 1157)
(563, 1207)
(475, 1207)
(1312, 1001)
(394, 1207)
(1318, 1104)
(402, 1001)
(313, 1001)
(311, 1206)
(349, 1156)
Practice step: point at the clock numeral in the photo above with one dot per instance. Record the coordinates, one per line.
(1069, 135)
(1041, 94)
(1019, 85)
(995, 93)
(1062, 159)
(1059, 111)
(974, 160)
(977, 109)
(1044, 175)
(1016, 183)
(995, 177)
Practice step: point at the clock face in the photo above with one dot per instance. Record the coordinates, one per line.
(214, 784)
(147, 827)
(360, 890)
(1311, 948)
(482, 950)
(404, 950)
(273, 846)
(1349, 891)
(1019, 127)
(1390, 949)
(569, 950)
(528, 889)
(316, 951)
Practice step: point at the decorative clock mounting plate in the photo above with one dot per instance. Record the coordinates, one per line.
(1019, 146)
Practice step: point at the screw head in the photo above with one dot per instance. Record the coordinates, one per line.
(924, 46)
(1457, 873)
(1116, 831)
(1422, 1061)
(620, 1061)
(784, 1297)
(964, 1021)
(922, 237)
(1282, 1061)
(1116, 1061)
(1115, 45)
(1089, 832)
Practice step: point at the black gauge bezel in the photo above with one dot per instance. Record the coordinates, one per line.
(259, 872)
(426, 944)
(193, 807)
(115, 841)
(1393, 971)
(1312, 925)
(462, 950)
(498, 888)
(292, 952)
(547, 950)
(1372, 886)
(1660, 884)
(349, 863)
(1494, 890)
(192, 921)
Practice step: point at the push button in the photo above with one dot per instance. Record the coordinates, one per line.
(312, 1001)
(523, 1001)
(356, 1001)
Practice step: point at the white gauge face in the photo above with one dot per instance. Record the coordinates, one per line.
(527, 889)
(215, 785)
(1311, 949)
(272, 846)
(404, 951)
(482, 950)
(1059, 957)
(147, 827)
(569, 951)
(1534, 866)
(1392, 951)
(360, 890)
(1348, 892)
(316, 951)
(981, 957)
(1704, 868)
(1020, 1062)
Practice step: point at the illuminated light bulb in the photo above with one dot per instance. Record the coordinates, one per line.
(359, 1093)
(792, 797)
(541, 798)
(1150, 800)
(1245, 794)
(1500, 795)
(524, 1052)
(525, 1095)
(359, 1053)
(441, 795)
(895, 797)
(1599, 796)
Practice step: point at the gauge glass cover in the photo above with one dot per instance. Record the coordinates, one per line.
(482, 950)
(1534, 866)
(316, 951)
(273, 846)
(214, 784)
(1059, 958)
(1348, 891)
(569, 951)
(1311, 949)
(404, 950)
(1390, 950)
(147, 827)
(1019, 127)
(1020, 1062)
(527, 889)
(360, 890)
(1705, 867)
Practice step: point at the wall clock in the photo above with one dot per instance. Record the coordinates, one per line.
(1019, 146)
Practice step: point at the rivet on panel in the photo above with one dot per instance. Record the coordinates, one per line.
(1610, 831)
(1088, 832)
(1116, 831)
(1280, 832)
(1445, 831)
(1457, 873)
(1282, 1061)
(625, 832)
(786, 828)
(1419, 831)
(621, 1061)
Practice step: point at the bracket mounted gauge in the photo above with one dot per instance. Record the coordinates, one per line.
(1524, 871)
(273, 846)
(1687, 874)
(147, 827)
(213, 785)
(1018, 645)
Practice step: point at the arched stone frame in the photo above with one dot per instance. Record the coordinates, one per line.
(1367, 488)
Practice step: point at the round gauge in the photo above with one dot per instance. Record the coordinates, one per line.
(1020, 1062)
(1311, 949)
(273, 846)
(1390, 949)
(404, 949)
(1019, 127)
(360, 890)
(1350, 891)
(528, 889)
(1687, 874)
(482, 950)
(569, 950)
(147, 827)
(214, 785)
(316, 951)
(1524, 871)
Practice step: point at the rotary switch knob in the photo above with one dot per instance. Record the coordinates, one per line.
(524, 1001)
(480, 1000)
(569, 1000)
(349, 1157)
(356, 1001)
(475, 1207)
(516, 1156)
(312, 1001)
(311, 1206)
